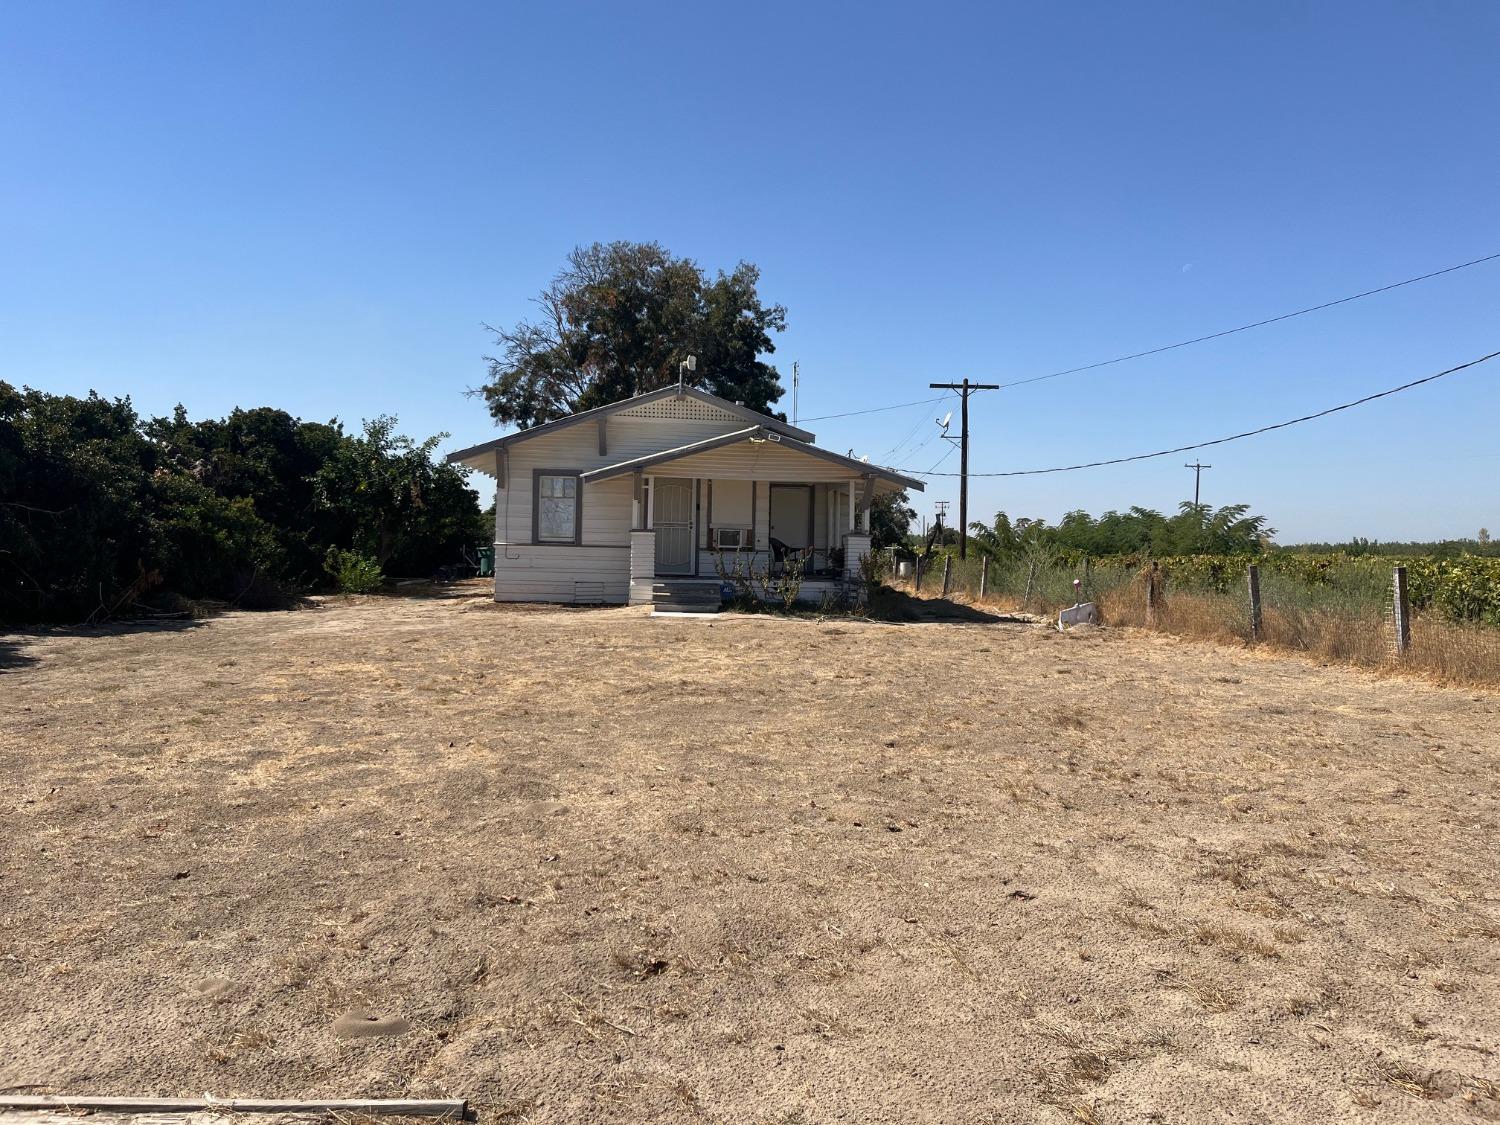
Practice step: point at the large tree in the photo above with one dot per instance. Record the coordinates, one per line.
(618, 321)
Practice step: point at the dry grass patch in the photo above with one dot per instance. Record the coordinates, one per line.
(613, 868)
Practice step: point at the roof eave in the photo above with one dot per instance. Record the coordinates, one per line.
(666, 456)
(609, 408)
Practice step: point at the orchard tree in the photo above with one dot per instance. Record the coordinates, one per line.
(392, 502)
(618, 321)
(891, 516)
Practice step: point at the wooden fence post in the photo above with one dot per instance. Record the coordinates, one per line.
(984, 577)
(919, 574)
(947, 571)
(1030, 582)
(1253, 574)
(1400, 611)
(1153, 580)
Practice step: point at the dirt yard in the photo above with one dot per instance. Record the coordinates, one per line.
(604, 867)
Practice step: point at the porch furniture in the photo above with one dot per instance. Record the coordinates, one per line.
(781, 552)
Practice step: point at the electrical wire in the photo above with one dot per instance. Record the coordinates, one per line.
(1256, 324)
(874, 409)
(893, 450)
(924, 443)
(1184, 343)
(940, 460)
(1222, 440)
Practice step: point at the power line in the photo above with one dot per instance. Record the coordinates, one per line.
(1231, 437)
(1257, 324)
(893, 450)
(1186, 343)
(878, 409)
(939, 461)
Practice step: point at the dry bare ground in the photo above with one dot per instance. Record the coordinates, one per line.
(616, 868)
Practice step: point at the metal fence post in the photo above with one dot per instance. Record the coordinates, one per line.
(947, 571)
(918, 583)
(984, 576)
(1400, 611)
(1253, 574)
(1153, 580)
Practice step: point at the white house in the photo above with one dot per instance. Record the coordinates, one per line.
(657, 493)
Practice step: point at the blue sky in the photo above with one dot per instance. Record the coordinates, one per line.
(316, 207)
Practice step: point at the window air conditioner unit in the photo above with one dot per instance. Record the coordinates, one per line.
(731, 538)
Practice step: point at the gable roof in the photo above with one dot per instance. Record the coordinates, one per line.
(755, 416)
(749, 433)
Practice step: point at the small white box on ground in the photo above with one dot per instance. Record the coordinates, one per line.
(1084, 613)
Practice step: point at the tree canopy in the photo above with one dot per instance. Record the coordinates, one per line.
(891, 516)
(98, 507)
(1195, 529)
(618, 320)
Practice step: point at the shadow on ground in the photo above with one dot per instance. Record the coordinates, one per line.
(12, 656)
(898, 605)
(13, 646)
(425, 588)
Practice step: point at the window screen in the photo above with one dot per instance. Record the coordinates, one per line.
(557, 508)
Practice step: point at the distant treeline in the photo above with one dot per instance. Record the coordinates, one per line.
(1437, 549)
(102, 511)
(1194, 529)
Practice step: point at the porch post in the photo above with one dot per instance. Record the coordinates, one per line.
(638, 502)
(642, 565)
(866, 497)
(856, 549)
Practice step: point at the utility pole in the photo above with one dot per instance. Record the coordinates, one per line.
(1197, 477)
(965, 389)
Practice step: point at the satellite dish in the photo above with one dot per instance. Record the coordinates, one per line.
(945, 419)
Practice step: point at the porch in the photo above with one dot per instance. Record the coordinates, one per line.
(715, 531)
(752, 505)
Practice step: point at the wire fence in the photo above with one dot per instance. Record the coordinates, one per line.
(1360, 616)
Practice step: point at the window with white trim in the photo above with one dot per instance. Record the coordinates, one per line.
(557, 507)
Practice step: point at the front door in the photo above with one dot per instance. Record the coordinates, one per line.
(673, 519)
(792, 514)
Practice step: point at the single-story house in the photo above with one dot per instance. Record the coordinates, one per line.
(665, 492)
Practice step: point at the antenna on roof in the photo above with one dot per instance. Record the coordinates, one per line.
(796, 385)
(689, 364)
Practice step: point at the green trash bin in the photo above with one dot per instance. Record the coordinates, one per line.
(487, 562)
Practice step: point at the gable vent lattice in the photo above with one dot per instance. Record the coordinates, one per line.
(683, 409)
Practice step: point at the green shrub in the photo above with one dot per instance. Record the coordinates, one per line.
(352, 573)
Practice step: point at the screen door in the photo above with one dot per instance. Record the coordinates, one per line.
(674, 525)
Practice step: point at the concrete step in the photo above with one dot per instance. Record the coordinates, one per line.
(695, 597)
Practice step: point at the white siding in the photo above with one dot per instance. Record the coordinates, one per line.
(561, 574)
(759, 460)
(606, 504)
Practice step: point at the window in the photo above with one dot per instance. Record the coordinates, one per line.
(557, 505)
